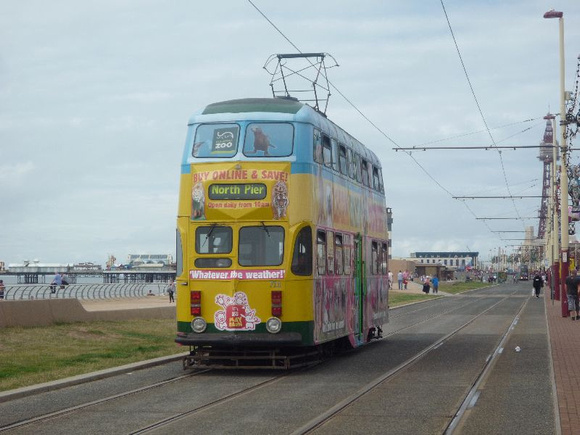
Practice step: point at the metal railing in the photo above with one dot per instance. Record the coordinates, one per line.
(82, 291)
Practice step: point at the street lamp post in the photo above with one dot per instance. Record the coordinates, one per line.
(563, 168)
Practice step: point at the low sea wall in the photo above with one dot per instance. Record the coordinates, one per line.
(39, 312)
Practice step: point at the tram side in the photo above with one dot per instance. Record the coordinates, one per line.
(281, 237)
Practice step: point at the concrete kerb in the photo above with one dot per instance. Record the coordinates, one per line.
(6, 396)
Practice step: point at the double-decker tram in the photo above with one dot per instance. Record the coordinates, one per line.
(281, 236)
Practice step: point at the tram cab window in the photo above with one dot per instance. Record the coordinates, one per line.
(321, 252)
(215, 140)
(212, 262)
(213, 240)
(338, 254)
(326, 151)
(342, 163)
(269, 139)
(261, 246)
(302, 256)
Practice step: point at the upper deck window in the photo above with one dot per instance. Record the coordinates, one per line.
(342, 159)
(269, 140)
(317, 150)
(326, 151)
(216, 140)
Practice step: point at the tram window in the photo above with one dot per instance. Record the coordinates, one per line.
(321, 252)
(269, 140)
(374, 258)
(302, 256)
(338, 254)
(261, 246)
(342, 159)
(326, 151)
(384, 258)
(365, 172)
(382, 187)
(330, 253)
(347, 247)
(376, 182)
(317, 149)
(351, 163)
(212, 262)
(357, 167)
(215, 140)
(334, 155)
(213, 240)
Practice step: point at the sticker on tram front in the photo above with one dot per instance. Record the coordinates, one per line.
(236, 314)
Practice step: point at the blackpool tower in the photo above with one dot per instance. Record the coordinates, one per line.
(546, 157)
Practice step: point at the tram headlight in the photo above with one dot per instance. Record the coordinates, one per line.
(198, 325)
(273, 325)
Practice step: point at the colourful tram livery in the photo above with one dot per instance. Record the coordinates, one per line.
(281, 234)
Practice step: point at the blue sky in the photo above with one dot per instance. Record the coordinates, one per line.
(95, 98)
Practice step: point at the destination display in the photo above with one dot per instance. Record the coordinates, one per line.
(235, 192)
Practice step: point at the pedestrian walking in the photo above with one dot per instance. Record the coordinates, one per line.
(435, 283)
(400, 279)
(2, 289)
(171, 291)
(572, 283)
(538, 283)
(426, 285)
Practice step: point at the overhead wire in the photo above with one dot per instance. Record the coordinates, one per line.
(409, 153)
(478, 105)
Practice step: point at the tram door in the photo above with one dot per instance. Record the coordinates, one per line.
(359, 288)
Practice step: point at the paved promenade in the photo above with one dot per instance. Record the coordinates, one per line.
(565, 343)
(126, 303)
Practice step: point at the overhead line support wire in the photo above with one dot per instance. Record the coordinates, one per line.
(488, 147)
(369, 120)
(477, 103)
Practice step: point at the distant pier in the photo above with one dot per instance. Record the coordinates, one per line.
(38, 274)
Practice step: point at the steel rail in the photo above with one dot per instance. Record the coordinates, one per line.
(335, 410)
(71, 409)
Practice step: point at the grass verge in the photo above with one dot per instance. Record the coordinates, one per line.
(397, 298)
(41, 354)
(455, 287)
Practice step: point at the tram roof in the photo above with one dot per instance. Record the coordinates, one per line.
(278, 109)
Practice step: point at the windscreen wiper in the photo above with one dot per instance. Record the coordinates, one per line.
(265, 228)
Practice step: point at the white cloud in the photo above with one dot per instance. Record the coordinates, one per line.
(94, 102)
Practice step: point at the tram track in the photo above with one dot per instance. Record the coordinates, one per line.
(219, 402)
(470, 301)
(223, 400)
(71, 409)
(314, 424)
